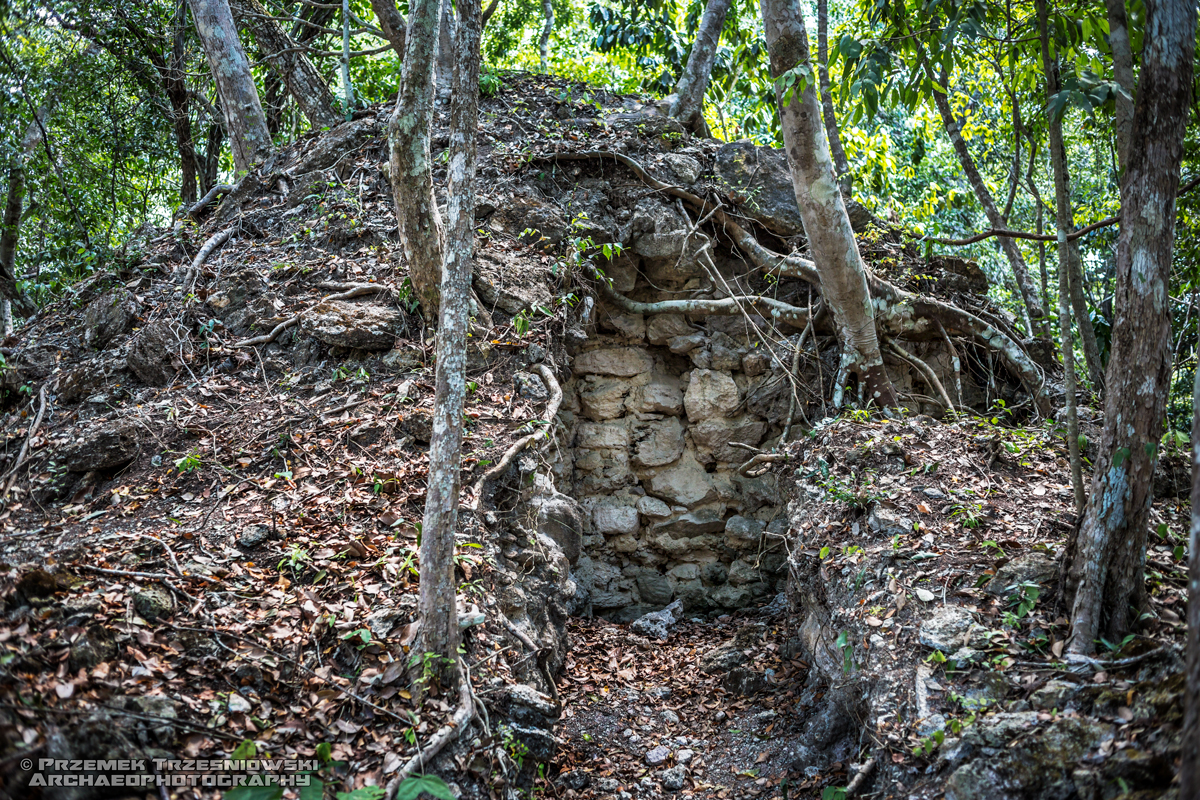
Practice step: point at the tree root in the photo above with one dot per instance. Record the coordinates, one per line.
(897, 312)
(24, 452)
(926, 372)
(211, 195)
(556, 396)
(206, 250)
(267, 338)
(462, 717)
(860, 778)
(761, 458)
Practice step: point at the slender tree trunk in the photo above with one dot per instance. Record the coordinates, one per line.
(411, 170)
(391, 23)
(211, 164)
(1028, 291)
(830, 237)
(845, 179)
(1067, 342)
(1111, 545)
(1068, 251)
(1189, 774)
(439, 620)
(688, 106)
(175, 86)
(10, 227)
(347, 87)
(249, 138)
(445, 51)
(544, 39)
(293, 67)
(1122, 55)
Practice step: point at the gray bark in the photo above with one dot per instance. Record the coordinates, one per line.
(439, 620)
(347, 88)
(10, 227)
(1028, 291)
(831, 239)
(544, 39)
(688, 106)
(245, 122)
(845, 179)
(445, 51)
(1122, 56)
(1109, 553)
(292, 66)
(1068, 251)
(391, 23)
(411, 170)
(1189, 773)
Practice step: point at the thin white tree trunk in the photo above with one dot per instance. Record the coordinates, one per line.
(347, 88)
(845, 179)
(1122, 55)
(830, 237)
(411, 171)
(245, 122)
(544, 39)
(439, 620)
(688, 106)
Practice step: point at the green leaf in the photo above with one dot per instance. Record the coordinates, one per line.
(325, 752)
(315, 789)
(825, 552)
(1119, 457)
(413, 785)
(245, 751)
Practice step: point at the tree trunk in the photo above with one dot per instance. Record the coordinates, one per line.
(411, 171)
(347, 86)
(211, 165)
(1068, 251)
(10, 228)
(439, 620)
(830, 237)
(1189, 773)
(391, 23)
(544, 39)
(175, 85)
(688, 106)
(1111, 545)
(292, 66)
(845, 179)
(1118, 42)
(445, 51)
(1028, 291)
(1069, 392)
(249, 138)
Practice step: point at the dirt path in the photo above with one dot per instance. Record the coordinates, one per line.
(643, 719)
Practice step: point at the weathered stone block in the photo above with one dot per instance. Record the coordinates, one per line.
(657, 443)
(622, 362)
(360, 326)
(714, 437)
(709, 394)
(662, 327)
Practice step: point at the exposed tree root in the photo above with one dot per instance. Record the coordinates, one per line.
(898, 313)
(495, 472)
(445, 735)
(860, 778)
(206, 250)
(24, 452)
(267, 338)
(210, 196)
(926, 372)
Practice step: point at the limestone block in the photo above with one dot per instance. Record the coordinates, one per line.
(657, 442)
(686, 343)
(713, 437)
(653, 507)
(743, 533)
(602, 435)
(625, 543)
(622, 362)
(684, 483)
(661, 395)
(742, 573)
(601, 398)
(705, 519)
(631, 326)
(726, 355)
(653, 586)
(662, 327)
(730, 596)
(685, 572)
(709, 394)
(755, 363)
(361, 326)
(110, 315)
(611, 519)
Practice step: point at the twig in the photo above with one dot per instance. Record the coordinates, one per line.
(864, 772)
(761, 458)
(153, 576)
(955, 360)
(795, 378)
(267, 338)
(556, 397)
(37, 421)
(462, 716)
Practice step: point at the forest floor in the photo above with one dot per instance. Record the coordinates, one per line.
(228, 555)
